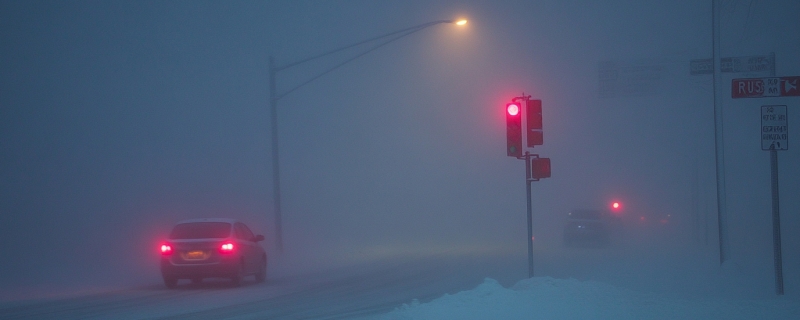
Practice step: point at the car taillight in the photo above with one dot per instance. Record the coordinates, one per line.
(226, 247)
(166, 249)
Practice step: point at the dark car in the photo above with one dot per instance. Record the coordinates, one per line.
(586, 227)
(212, 248)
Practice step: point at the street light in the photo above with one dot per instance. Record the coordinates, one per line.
(274, 97)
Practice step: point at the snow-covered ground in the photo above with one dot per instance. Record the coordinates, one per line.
(644, 279)
(472, 282)
(549, 298)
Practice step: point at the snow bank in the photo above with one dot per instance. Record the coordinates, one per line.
(549, 298)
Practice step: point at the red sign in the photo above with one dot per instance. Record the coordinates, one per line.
(540, 168)
(765, 87)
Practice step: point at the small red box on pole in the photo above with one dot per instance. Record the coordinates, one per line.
(540, 168)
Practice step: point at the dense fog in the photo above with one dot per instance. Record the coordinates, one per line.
(118, 119)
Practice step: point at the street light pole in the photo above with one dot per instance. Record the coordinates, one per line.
(274, 97)
(276, 172)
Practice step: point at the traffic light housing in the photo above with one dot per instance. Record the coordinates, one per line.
(534, 115)
(514, 130)
(540, 168)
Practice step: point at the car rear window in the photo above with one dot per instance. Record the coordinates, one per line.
(201, 230)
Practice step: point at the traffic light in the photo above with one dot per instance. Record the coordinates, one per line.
(534, 133)
(616, 206)
(540, 168)
(514, 130)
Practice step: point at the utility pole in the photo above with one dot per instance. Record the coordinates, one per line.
(719, 141)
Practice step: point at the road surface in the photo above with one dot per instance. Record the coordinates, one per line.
(365, 290)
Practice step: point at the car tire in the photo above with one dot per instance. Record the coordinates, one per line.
(261, 275)
(171, 282)
(236, 279)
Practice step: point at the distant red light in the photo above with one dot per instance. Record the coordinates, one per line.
(641, 218)
(513, 109)
(166, 249)
(616, 209)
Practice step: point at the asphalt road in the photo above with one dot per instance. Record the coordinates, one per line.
(364, 290)
(381, 283)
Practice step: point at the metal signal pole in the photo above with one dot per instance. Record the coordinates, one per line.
(528, 181)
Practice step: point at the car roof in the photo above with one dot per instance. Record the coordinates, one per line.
(586, 214)
(587, 210)
(231, 221)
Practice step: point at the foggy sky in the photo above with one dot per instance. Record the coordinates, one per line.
(118, 119)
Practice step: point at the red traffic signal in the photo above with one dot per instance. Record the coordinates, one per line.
(540, 168)
(534, 116)
(512, 109)
(514, 130)
(616, 206)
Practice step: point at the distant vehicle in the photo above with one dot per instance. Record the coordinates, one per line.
(655, 219)
(586, 227)
(212, 248)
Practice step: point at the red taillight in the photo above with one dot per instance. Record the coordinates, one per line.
(226, 247)
(166, 249)
(616, 208)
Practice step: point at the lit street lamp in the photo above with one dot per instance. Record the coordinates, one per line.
(274, 96)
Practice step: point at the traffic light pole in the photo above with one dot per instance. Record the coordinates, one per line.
(533, 170)
(276, 171)
(532, 175)
(528, 181)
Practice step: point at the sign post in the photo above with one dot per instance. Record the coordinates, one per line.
(774, 137)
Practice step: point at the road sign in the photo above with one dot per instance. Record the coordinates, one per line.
(765, 87)
(749, 64)
(540, 168)
(701, 66)
(774, 128)
(746, 64)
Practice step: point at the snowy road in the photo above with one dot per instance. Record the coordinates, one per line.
(354, 292)
(382, 282)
